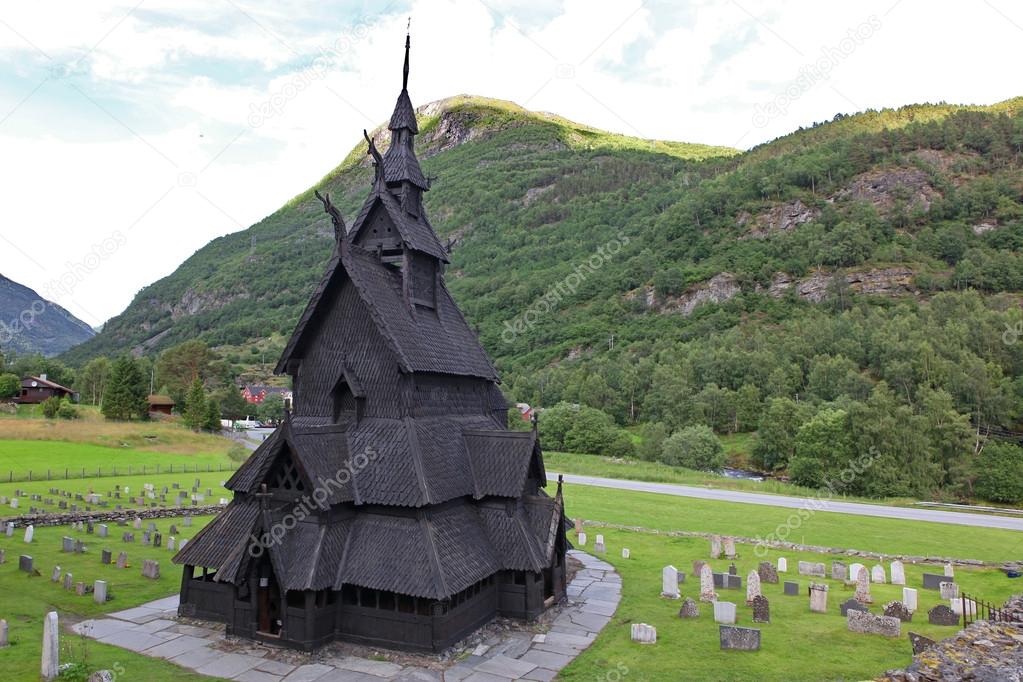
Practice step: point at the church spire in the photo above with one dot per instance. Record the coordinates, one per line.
(404, 73)
(400, 164)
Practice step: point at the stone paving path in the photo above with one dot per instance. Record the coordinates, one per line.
(152, 629)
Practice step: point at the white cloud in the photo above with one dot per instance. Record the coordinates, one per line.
(173, 85)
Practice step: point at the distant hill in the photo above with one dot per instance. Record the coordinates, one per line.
(31, 324)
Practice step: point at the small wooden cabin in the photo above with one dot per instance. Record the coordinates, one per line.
(35, 390)
(161, 404)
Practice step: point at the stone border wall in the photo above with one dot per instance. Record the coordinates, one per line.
(66, 518)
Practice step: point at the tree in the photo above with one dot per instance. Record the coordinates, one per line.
(50, 407)
(1000, 473)
(776, 435)
(126, 393)
(232, 404)
(91, 380)
(272, 408)
(10, 385)
(823, 448)
(694, 447)
(213, 416)
(67, 409)
(652, 437)
(747, 407)
(179, 366)
(195, 413)
(592, 432)
(554, 424)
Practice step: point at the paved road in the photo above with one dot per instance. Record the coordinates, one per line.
(908, 513)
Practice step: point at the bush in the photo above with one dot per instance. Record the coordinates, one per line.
(9, 385)
(694, 447)
(67, 410)
(50, 407)
(652, 437)
(622, 445)
(1000, 473)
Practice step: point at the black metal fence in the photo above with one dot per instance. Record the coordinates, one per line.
(975, 609)
(75, 473)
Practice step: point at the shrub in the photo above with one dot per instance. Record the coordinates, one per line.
(9, 385)
(50, 407)
(694, 447)
(1000, 473)
(67, 410)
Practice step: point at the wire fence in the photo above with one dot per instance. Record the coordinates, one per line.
(70, 473)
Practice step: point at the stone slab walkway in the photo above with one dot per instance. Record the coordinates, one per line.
(153, 630)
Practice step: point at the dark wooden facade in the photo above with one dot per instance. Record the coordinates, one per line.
(35, 390)
(393, 507)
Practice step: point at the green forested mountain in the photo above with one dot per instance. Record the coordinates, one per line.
(857, 281)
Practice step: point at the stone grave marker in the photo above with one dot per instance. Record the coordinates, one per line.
(30, 532)
(942, 615)
(761, 609)
(598, 545)
(813, 568)
(752, 587)
(868, 623)
(151, 569)
(957, 606)
(909, 598)
(69, 582)
(580, 538)
(783, 565)
(157, 540)
(690, 609)
(854, 571)
(50, 662)
(625, 550)
(949, 590)
(99, 591)
(949, 571)
(182, 545)
(14, 503)
(896, 609)
(170, 546)
(146, 537)
(729, 547)
(791, 589)
(818, 597)
(25, 563)
(79, 547)
(174, 530)
(122, 560)
(719, 579)
(898, 573)
(707, 592)
(188, 522)
(715, 546)
(81, 590)
(724, 612)
(739, 638)
(698, 566)
(732, 582)
(932, 581)
(669, 582)
(10, 529)
(55, 575)
(877, 574)
(3, 556)
(863, 587)
(4, 634)
(920, 643)
(137, 523)
(839, 571)
(851, 605)
(105, 556)
(732, 570)
(768, 574)
(644, 634)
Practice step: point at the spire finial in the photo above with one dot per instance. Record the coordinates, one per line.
(408, 43)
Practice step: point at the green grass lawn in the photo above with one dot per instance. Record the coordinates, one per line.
(797, 645)
(26, 600)
(893, 536)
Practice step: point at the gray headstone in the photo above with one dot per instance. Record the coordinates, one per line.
(761, 609)
(103, 531)
(739, 638)
(896, 609)
(811, 568)
(839, 570)
(719, 579)
(4, 634)
(105, 556)
(791, 589)
(768, 573)
(55, 574)
(690, 609)
(99, 591)
(733, 582)
(50, 665)
(932, 581)
(920, 643)
(851, 605)
(122, 560)
(25, 563)
(942, 615)
(69, 581)
(868, 623)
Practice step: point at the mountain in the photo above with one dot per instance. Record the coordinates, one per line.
(31, 324)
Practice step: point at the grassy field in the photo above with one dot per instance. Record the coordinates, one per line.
(26, 600)
(894, 536)
(797, 645)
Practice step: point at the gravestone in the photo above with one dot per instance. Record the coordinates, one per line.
(122, 560)
(909, 598)
(949, 571)
(146, 535)
(137, 524)
(4, 634)
(55, 575)
(732, 570)
(580, 538)
(868, 623)
(105, 556)
(151, 526)
(898, 573)
(958, 604)
(761, 609)
(783, 565)
(188, 522)
(719, 579)
(69, 581)
(818, 597)
(698, 566)
(151, 569)
(942, 615)
(174, 530)
(877, 574)
(99, 591)
(14, 503)
(854, 571)
(932, 581)
(813, 568)
(768, 574)
(707, 592)
(79, 547)
(182, 545)
(896, 609)
(30, 532)
(724, 612)
(170, 546)
(739, 638)
(839, 571)
(669, 582)
(644, 634)
(863, 587)
(752, 587)
(949, 590)
(732, 582)
(920, 643)
(729, 547)
(3, 556)
(158, 540)
(50, 664)
(598, 545)
(10, 529)
(25, 563)
(103, 531)
(715, 546)
(851, 605)
(690, 609)
(791, 589)
(81, 590)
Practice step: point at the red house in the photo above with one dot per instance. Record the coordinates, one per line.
(257, 394)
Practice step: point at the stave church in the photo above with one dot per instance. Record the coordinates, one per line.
(393, 507)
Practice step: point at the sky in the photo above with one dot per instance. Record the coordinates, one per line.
(132, 133)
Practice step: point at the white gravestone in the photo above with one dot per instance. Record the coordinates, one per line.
(99, 591)
(729, 543)
(581, 539)
(949, 590)
(598, 545)
(50, 667)
(909, 598)
(715, 546)
(669, 582)
(949, 571)
(724, 612)
(29, 533)
(752, 587)
(625, 553)
(877, 574)
(783, 565)
(644, 634)
(898, 573)
(854, 571)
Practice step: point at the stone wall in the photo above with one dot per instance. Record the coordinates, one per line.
(67, 518)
